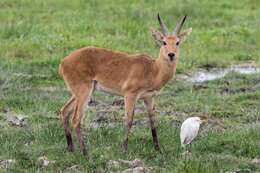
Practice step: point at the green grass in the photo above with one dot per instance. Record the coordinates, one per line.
(36, 35)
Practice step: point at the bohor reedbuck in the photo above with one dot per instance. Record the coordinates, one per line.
(133, 76)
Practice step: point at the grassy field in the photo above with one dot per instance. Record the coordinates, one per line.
(36, 35)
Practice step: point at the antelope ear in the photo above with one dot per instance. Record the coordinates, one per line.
(183, 35)
(157, 35)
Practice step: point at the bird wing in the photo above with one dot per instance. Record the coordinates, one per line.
(189, 130)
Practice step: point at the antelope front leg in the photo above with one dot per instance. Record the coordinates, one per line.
(128, 119)
(149, 103)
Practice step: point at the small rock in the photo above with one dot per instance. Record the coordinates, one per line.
(134, 163)
(237, 171)
(136, 166)
(6, 163)
(137, 163)
(74, 168)
(256, 161)
(94, 125)
(16, 120)
(113, 164)
(137, 170)
(130, 170)
(44, 161)
(141, 170)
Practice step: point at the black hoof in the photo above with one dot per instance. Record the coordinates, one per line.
(70, 148)
(85, 153)
(124, 147)
(157, 148)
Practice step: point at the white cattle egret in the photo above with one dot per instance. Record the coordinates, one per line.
(189, 129)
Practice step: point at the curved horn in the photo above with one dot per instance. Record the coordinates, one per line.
(163, 26)
(179, 25)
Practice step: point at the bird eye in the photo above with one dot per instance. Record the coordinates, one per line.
(177, 43)
(164, 43)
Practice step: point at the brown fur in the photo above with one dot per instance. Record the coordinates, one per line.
(134, 76)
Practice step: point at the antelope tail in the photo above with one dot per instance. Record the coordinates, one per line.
(60, 70)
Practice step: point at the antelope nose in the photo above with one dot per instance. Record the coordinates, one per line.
(171, 55)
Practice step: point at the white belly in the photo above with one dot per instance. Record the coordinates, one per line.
(143, 94)
(150, 93)
(106, 89)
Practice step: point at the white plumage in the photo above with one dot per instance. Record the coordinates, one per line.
(189, 130)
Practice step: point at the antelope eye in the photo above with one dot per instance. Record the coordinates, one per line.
(177, 43)
(164, 43)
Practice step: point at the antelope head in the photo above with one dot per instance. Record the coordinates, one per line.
(170, 42)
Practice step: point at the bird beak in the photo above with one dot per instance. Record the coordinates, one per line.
(204, 121)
